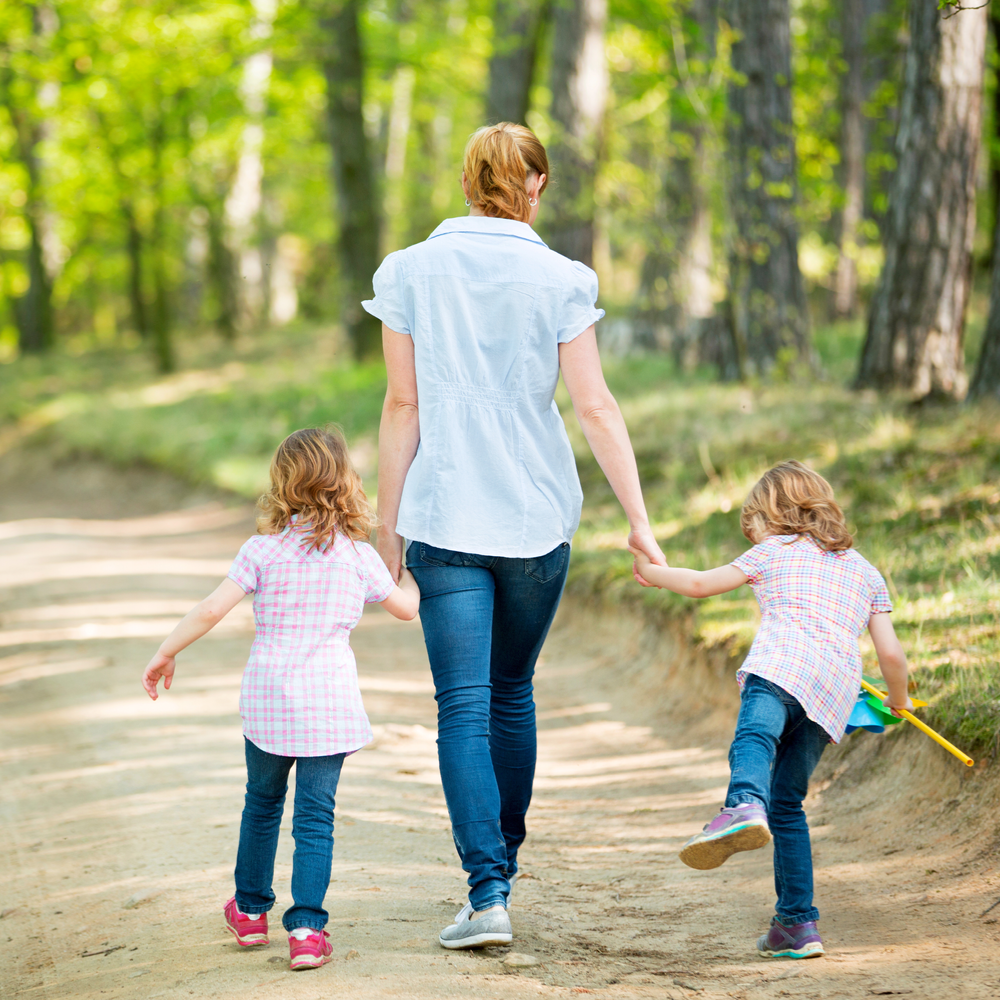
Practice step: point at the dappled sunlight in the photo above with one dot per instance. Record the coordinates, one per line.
(15, 669)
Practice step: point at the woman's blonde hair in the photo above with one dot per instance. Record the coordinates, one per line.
(497, 160)
(312, 476)
(791, 499)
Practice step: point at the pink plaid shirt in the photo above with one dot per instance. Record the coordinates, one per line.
(813, 605)
(300, 695)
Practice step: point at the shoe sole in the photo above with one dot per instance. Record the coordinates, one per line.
(809, 951)
(308, 962)
(706, 854)
(477, 940)
(249, 940)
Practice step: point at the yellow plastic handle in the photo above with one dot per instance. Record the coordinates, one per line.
(923, 727)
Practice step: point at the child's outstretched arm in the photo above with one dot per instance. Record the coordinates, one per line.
(202, 617)
(689, 582)
(404, 601)
(891, 661)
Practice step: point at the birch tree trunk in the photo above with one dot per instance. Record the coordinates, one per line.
(770, 319)
(354, 182)
(579, 82)
(242, 206)
(917, 317)
(517, 25)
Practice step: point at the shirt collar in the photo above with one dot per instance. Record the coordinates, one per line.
(483, 225)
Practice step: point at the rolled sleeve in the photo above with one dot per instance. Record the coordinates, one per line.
(580, 311)
(389, 304)
(378, 580)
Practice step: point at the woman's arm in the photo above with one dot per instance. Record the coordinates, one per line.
(199, 620)
(689, 582)
(398, 437)
(604, 428)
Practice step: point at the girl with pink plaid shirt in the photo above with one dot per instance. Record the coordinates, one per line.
(799, 682)
(311, 572)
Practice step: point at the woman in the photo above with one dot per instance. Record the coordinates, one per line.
(476, 471)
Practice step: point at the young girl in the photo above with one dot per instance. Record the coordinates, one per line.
(799, 682)
(311, 573)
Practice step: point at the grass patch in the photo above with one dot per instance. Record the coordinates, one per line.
(921, 486)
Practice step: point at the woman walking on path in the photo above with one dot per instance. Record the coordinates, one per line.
(477, 473)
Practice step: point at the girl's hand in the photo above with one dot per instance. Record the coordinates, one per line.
(389, 546)
(159, 666)
(896, 709)
(641, 567)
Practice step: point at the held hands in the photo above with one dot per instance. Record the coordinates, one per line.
(647, 552)
(640, 568)
(159, 666)
(389, 546)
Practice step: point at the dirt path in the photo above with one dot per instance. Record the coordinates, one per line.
(120, 817)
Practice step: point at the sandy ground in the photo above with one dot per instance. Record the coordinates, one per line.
(120, 816)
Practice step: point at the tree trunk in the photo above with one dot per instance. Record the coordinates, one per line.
(244, 201)
(162, 340)
(33, 313)
(579, 84)
(917, 318)
(676, 283)
(852, 151)
(771, 323)
(354, 182)
(135, 294)
(517, 25)
(986, 381)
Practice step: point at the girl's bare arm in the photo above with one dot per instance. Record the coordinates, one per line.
(891, 660)
(689, 582)
(200, 619)
(404, 601)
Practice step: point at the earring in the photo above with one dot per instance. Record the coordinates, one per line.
(468, 203)
(532, 202)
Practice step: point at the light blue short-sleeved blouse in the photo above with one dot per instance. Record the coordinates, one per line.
(487, 304)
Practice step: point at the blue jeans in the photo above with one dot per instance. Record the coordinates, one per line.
(775, 750)
(485, 619)
(312, 829)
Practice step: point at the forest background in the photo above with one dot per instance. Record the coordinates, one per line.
(792, 206)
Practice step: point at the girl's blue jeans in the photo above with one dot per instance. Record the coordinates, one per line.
(775, 750)
(484, 620)
(312, 829)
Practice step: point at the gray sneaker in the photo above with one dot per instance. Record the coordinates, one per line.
(493, 927)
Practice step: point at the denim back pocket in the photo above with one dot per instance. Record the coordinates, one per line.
(542, 569)
(430, 555)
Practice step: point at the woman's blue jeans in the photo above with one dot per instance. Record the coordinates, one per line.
(312, 829)
(484, 620)
(775, 750)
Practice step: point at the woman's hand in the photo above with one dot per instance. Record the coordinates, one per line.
(642, 540)
(389, 546)
(159, 666)
(641, 565)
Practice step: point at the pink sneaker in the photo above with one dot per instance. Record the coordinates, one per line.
(249, 930)
(310, 953)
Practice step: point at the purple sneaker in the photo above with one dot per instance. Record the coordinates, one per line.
(739, 828)
(797, 941)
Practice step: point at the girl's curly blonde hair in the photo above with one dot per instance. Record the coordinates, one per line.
(791, 499)
(312, 476)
